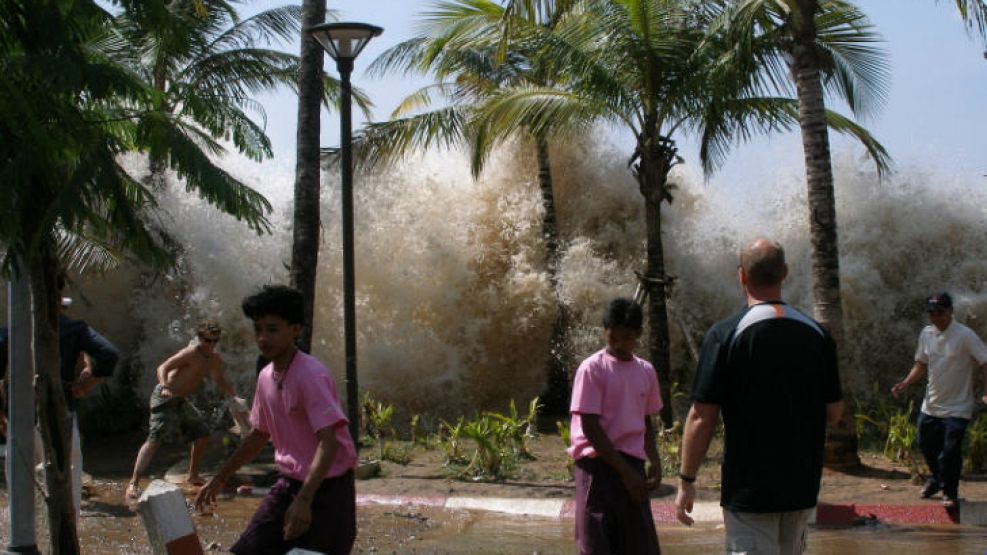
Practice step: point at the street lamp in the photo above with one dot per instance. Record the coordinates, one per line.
(344, 41)
(20, 427)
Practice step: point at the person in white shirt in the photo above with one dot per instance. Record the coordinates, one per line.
(949, 353)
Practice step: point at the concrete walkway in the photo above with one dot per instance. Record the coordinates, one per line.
(970, 512)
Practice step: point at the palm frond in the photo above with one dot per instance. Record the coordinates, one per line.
(406, 57)
(974, 14)
(423, 97)
(861, 70)
(270, 26)
(229, 122)
(729, 122)
(542, 111)
(82, 254)
(239, 73)
(875, 150)
(182, 146)
(386, 142)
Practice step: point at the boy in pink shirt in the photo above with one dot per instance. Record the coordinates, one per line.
(313, 504)
(613, 397)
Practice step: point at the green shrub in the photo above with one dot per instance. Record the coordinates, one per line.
(413, 427)
(379, 419)
(976, 446)
(516, 429)
(873, 420)
(669, 443)
(395, 453)
(492, 435)
(894, 429)
(450, 437)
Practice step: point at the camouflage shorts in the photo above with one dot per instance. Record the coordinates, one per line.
(174, 419)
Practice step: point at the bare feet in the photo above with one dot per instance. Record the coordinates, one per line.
(133, 491)
(197, 481)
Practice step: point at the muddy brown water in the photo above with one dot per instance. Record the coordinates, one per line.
(109, 526)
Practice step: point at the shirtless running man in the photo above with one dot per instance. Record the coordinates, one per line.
(173, 418)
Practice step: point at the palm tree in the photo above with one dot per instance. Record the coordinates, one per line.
(823, 46)
(207, 65)
(67, 109)
(654, 67)
(199, 56)
(306, 230)
(462, 46)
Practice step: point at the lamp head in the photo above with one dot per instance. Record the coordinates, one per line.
(344, 41)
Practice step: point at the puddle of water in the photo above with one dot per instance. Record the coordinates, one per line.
(884, 540)
(480, 534)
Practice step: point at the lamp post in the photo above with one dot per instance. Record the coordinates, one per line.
(20, 439)
(344, 41)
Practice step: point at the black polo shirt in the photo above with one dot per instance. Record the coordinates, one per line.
(772, 370)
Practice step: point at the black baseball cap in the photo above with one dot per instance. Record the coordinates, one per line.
(939, 301)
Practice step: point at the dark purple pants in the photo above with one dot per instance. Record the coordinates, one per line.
(333, 528)
(608, 521)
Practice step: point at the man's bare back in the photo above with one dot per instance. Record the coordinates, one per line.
(183, 373)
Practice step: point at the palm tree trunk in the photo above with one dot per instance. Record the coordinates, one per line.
(841, 446)
(556, 395)
(652, 176)
(156, 163)
(306, 229)
(54, 420)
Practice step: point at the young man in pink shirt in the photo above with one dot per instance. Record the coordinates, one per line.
(313, 504)
(613, 397)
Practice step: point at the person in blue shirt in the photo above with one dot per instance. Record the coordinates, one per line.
(87, 358)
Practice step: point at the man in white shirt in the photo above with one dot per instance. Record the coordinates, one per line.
(949, 353)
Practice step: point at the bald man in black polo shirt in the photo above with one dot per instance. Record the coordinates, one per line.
(772, 372)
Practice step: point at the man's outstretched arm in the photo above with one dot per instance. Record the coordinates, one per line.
(246, 452)
(698, 432)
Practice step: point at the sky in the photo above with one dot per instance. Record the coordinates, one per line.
(934, 118)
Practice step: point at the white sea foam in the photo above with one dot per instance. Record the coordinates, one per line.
(454, 306)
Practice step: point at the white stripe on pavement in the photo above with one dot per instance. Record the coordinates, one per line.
(535, 507)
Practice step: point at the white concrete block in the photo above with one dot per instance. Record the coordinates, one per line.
(167, 520)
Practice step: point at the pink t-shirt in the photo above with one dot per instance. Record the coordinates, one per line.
(292, 412)
(622, 393)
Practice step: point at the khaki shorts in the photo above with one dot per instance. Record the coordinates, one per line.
(174, 419)
(766, 533)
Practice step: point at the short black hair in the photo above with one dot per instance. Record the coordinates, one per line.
(276, 300)
(623, 313)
